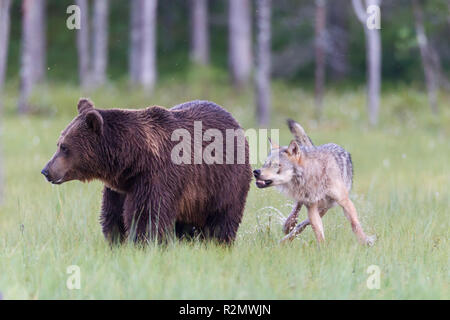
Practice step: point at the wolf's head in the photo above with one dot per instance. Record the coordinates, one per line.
(280, 166)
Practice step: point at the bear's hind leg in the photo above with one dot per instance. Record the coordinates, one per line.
(184, 230)
(111, 217)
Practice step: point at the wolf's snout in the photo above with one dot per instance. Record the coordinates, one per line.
(257, 173)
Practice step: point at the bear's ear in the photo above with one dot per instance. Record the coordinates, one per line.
(94, 121)
(84, 105)
(159, 114)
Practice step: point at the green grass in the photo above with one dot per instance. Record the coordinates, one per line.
(402, 175)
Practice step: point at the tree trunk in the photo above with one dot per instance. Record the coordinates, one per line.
(40, 56)
(199, 32)
(100, 41)
(240, 41)
(374, 75)
(2, 175)
(148, 58)
(30, 48)
(338, 36)
(320, 48)
(135, 41)
(426, 55)
(4, 40)
(373, 54)
(83, 44)
(262, 75)
(448, 16)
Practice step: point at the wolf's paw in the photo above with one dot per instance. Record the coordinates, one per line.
(289, 225)
(370, 240)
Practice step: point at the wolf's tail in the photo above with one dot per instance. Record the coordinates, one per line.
(299, 133)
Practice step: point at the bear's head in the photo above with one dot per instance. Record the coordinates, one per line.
(78, 153)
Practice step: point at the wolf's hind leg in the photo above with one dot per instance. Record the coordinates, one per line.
(291, 221)
(352, 216)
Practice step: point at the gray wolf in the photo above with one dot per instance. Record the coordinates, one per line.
(318, 177)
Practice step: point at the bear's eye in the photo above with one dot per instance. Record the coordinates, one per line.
(63, 149)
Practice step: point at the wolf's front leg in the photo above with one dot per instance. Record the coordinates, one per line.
(291, 221)
(316, 222)
(111, 217)
(298, 229)
(301, 226)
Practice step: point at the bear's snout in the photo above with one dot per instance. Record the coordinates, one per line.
(46, 173)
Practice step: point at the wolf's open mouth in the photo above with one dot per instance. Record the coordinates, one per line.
(263, 183)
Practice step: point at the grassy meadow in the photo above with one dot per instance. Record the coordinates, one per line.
(401, 191)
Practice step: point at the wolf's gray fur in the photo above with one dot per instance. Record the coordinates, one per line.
(310, 183)
(318, 177)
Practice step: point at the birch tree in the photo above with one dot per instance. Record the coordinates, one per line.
(142, 58)
(199, 32)
(40, 57)
(92, 43)
(373, 58)
(32, 65)
(135, 41)
(239, 41)
(83, 44)
(99, 41)
(320, 49)
(262, 75)
(4, 40)
(148, 50)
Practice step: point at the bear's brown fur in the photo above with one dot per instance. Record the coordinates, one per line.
(146, 195)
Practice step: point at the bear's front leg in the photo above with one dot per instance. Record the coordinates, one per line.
(149, 213)
(111, 216)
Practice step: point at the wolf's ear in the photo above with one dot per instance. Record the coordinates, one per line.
(84, 105)
(94, 121)
(273, 145)
(294, 149)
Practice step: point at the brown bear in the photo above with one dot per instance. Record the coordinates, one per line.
(147, 194)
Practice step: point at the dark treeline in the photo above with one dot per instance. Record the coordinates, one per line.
(293, 30)
(148, 40)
